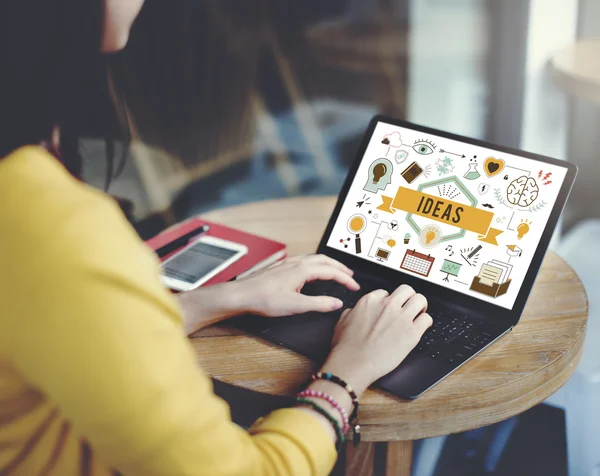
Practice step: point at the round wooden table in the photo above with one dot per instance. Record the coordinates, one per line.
(521, 370)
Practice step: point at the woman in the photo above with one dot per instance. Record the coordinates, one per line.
(96, 373)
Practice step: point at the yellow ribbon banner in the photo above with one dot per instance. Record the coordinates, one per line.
(444, 211)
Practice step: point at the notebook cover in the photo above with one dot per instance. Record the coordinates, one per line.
(259, 248)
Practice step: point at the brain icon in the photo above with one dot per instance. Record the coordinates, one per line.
(522, 191)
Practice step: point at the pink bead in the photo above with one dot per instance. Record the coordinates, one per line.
(332, 401)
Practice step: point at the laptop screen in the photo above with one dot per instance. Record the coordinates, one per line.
(455, 214)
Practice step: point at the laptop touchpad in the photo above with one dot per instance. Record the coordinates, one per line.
(308, 334)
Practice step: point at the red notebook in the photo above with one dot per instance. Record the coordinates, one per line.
(262, 252)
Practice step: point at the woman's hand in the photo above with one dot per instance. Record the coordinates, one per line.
(272, 292)
(372, 339)
(275, 291)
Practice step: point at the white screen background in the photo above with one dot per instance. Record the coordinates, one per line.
(507, 217)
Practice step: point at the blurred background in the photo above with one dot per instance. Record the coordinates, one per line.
(234, 101)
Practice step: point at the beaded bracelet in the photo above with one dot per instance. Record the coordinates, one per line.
(332, 402)
(336, 426)
(354, 417)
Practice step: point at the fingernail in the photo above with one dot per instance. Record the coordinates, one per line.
(337, 304)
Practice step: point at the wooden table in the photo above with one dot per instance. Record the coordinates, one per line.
(518, 372)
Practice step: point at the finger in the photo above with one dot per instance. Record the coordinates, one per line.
(301, 303)
(325, 272)
(415, 306)
(402, 294)
(377, 294)
(345, 313)
(423, 322)
(323, 259)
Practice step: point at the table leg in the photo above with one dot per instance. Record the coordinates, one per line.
(399, 458)
(360, 461)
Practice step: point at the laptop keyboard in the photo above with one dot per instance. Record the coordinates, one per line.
(453, 337)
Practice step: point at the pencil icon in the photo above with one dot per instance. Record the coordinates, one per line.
(474, 252)
(470, 255)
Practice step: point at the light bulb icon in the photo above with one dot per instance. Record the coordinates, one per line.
(523, 229)
(430, 236)
(379, 171)
(391, 243)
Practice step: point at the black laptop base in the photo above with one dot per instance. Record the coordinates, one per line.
(454, 338)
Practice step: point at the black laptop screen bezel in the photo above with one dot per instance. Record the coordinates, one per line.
(397, 277)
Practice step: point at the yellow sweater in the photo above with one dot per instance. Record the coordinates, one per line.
(96, 374)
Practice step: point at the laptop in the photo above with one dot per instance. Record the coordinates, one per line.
(462, 221)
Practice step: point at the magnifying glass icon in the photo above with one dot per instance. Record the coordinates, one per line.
(356, 225)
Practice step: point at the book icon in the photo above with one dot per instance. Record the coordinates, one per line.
(411, 172)
(493, 279)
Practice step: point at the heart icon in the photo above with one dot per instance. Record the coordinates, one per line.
(493, 166)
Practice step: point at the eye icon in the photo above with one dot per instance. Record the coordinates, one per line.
(424, 147)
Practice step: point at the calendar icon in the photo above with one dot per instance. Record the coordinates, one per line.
(417, 262)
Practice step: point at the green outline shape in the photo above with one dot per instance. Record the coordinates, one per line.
(454, 179)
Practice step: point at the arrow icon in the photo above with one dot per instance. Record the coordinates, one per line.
(462, 156)
(364, 200)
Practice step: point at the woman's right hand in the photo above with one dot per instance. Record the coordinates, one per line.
(372, 339)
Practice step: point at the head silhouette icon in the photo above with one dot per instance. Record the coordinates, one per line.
(380, 175)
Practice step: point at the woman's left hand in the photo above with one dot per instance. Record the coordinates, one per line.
(272, 292)
(275, 291)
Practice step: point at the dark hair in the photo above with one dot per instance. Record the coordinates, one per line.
(53, 74)
(188, 75)
(203, 52)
